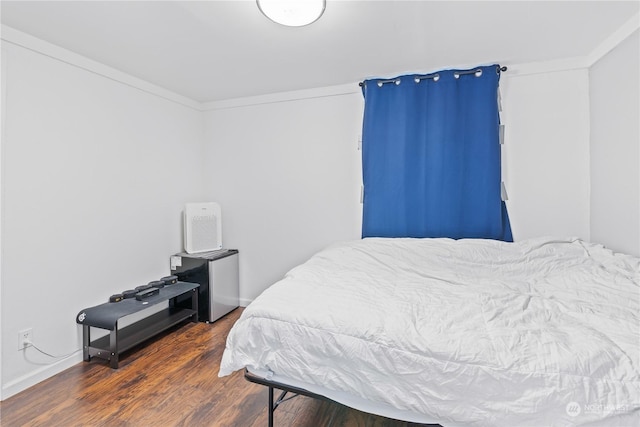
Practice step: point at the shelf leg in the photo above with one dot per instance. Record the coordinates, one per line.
(86, 339)
(113, 347)
(194, 304)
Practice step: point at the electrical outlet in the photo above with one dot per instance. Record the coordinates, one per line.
(25, 338)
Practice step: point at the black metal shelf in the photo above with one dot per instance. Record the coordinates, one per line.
(106, 316)
(138, 332)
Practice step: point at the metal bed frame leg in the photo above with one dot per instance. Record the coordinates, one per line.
(271, 408)
(273, 405)
(296, 391)
(284, 388)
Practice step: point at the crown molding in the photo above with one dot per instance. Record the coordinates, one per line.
(541, 67)
(322, 92)
(611, 42)
(18, 38)
(582, 62)
(34, 44)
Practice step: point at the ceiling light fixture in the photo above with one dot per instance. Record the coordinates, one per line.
(292, 13)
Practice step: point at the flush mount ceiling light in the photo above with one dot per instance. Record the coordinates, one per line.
(292, 13)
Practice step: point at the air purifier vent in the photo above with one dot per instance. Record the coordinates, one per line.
(202, 227)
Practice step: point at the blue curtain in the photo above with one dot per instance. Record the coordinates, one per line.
(431, 156)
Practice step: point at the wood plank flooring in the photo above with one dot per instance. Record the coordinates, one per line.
(171, 380)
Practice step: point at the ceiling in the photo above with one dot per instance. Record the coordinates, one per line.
(216, 50)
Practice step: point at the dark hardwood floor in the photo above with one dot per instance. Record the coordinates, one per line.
(171, 380)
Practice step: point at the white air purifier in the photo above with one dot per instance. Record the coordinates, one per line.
(202, 227)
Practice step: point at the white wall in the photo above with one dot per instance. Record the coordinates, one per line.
(95, 174)
(546, 152)
(3, 92)
(615, 148)
(94, 177)
(287, 174)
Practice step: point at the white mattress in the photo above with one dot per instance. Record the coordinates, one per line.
(464, 333)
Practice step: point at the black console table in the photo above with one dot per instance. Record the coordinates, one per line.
(107, 315)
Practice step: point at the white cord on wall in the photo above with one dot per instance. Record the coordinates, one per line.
(29, 343)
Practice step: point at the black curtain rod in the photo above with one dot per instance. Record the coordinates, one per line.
(499, 69)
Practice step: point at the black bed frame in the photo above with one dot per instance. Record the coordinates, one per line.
(285, 389)
(296, 392)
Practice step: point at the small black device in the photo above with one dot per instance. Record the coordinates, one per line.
(170, 280)
(115, 298)
(157, 284)
(130, 293)
(147, 293)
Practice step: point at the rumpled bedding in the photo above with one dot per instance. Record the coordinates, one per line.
(471, 332)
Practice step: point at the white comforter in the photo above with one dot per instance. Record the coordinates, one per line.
(470, 332)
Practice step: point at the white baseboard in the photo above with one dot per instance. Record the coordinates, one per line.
(245, 302)
(22, 383)
(39, 375)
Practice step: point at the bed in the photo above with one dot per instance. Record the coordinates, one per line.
(470, 332)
